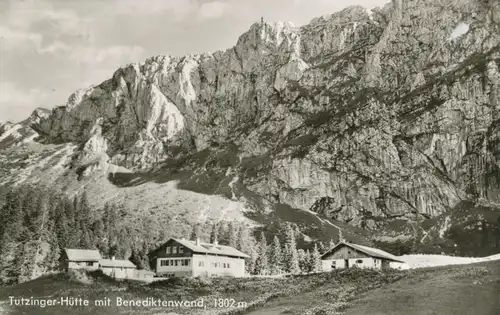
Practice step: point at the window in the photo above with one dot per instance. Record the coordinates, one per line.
(168, 250)
(186, 262)
(167, 262)
(174, 250)
(164, 262)
(359, 261)
(176, 262)
(89, 263)
(201, 264)
(181, 249)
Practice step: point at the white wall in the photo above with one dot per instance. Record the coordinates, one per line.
(399, 265)
(119, 273)
(236, 266)
(83, 265)
(178, 270)
(340, 263)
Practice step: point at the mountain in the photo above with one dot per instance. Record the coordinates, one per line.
(381, 123)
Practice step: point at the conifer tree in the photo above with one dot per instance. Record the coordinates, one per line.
(143, 256)
(321, 247)
(23, 261)
(253, 254)
(243, 242)
(332, 244)
(232, 234)
(98, 235)
(276, 257)
(136, 259)
(303, 258)
(261, 265)
(316, 264)
(73, 230)
(213, 234)
(291, 257)
(196, 232)
(110, 222)
(222, 235)
(62, 227)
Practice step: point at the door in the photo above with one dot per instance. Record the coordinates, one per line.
(346, 263)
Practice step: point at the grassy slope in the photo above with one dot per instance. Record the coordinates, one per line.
(318, 289)
(451, 290)
(471, 289)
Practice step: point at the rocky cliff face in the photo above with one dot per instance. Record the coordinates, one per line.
(365, 117)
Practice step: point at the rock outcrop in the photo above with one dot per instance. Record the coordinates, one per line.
(363, 116)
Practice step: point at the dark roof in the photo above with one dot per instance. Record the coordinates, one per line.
(83, 254)
(207, 248)
(116, 263)
(370, 251)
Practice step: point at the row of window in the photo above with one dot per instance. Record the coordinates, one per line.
(220, 265)
(359, 261)
(214, 264)
(174, 262)
(174, 249)
(185, 262)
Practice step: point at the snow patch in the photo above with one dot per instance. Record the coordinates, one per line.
(445, 227)
(307, 238)
(11, 132)
(324, 221)
(370, 14)
(423, 261)
(460, 30)
(231, 184)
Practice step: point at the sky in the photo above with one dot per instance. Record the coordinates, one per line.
(51, 48)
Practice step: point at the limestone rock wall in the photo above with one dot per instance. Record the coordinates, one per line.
(389, 113)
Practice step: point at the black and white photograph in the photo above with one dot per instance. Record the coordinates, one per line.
(250, 157)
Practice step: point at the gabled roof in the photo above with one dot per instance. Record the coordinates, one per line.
(117, 263)
(207, 248)
(370, 251)
(83, 254)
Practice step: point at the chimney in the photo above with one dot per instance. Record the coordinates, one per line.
(112, 257)
(197, 241)
(216, 243)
